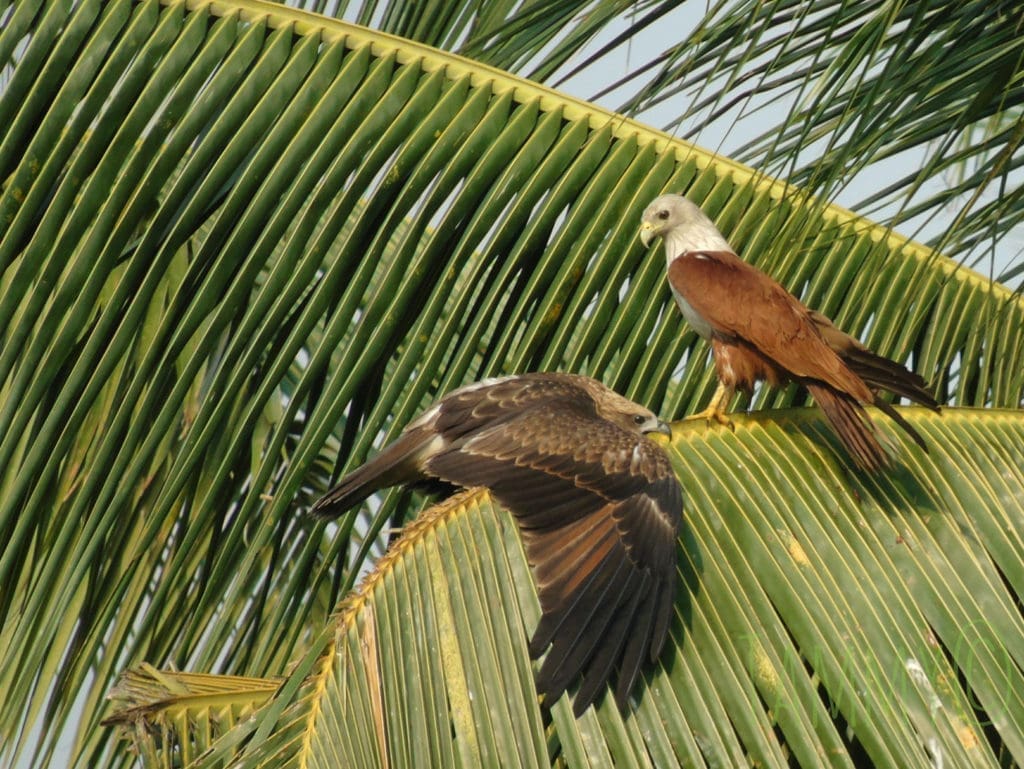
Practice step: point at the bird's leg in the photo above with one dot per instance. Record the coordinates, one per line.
(716, 409)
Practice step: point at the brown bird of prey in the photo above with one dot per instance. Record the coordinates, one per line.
(759, 331)
(596, 502)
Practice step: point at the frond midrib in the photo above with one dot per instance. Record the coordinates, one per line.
(432, 59)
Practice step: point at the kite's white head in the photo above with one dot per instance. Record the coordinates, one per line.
(682, 225)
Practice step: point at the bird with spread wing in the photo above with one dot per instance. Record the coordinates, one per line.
(596, 501)
(759, 331)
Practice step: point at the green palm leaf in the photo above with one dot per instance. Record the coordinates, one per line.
(826, 621)
(240, 245)
(867, 82)
(172, 703)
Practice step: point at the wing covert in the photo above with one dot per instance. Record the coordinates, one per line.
(738, 300)
(599, 510)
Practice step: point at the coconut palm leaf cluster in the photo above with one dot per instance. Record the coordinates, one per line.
(242, 245)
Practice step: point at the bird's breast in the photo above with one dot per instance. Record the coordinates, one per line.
(700, 325)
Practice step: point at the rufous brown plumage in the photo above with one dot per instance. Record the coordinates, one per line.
(596, 501)
(759, 331)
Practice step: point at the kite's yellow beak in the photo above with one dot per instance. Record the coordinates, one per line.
(647, 233)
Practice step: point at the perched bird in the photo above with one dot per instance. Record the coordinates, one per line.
(596, 502)
(759, 331)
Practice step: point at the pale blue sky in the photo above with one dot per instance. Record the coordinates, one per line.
(731, 134)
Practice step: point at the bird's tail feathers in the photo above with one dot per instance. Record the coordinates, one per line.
(883, 374)
(887, 408)
(853, 426)
(398, 463)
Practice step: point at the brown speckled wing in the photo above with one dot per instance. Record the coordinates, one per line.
(737, 299)
(599, 509)
(458, 415)
(466, 411)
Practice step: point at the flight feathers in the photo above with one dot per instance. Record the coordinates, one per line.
(597, 503)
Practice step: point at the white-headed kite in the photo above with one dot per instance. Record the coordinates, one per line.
(759, 331)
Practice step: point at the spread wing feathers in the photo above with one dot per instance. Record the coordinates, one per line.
(459, 414)
(853, 425)
(738, 300)
(598, 506)
(599, 509)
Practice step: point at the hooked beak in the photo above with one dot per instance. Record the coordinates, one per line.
(664, 428)
(647, 234)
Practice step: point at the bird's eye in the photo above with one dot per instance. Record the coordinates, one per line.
(639, 419)
(663, 214)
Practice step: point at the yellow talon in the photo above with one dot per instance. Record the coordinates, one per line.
(716, 409)
(710, 415)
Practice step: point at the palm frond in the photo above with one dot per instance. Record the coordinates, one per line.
(825, 621)
(241, 244)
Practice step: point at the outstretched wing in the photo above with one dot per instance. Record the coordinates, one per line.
(599, 509)
(461, 413)
(738, 300)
